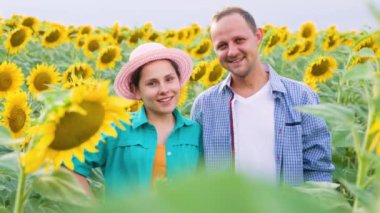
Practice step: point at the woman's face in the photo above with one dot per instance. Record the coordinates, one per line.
(158, 87)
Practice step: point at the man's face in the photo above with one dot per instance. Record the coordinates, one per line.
(236, 45)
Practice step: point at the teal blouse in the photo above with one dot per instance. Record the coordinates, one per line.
(127, 160)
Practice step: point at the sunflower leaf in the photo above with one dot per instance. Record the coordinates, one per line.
(336, 115)
(61, 186)
(10, 161)
(360, 72)
(6, 137)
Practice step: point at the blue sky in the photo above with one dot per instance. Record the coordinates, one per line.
(165, 14)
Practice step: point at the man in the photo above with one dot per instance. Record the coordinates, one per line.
(249, 120)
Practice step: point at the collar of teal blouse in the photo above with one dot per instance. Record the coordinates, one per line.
(139, 119)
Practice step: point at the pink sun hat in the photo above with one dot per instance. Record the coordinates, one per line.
(144, 54)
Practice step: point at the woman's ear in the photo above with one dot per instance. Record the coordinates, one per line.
(136, 92)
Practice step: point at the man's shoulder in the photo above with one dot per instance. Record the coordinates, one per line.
(211, 92)
(296, 87)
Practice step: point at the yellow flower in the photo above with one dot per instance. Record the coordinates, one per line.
(16, 115)
(359, 60)
(293, 52)
(115, 30)
(75, 72)
(312, 84)
(308, 47)
(371, 41)
(274, 39)
(133, 105)
(215, 73)
(331, 40)
(85, 30)
(183, 95)
(321, 69)
(75, 127)
(91, 45)
(18, 39)
(40, 77)
(108, 57)
(199, 71)
(203, 49)
(134, 37)
(308, 30)
(54, 37)
(79, 41)
(30, 22)
(375, 131)
(11, 78)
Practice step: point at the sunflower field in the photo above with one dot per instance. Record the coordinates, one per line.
(56, 99)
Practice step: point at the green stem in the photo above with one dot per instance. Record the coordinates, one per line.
(20, 192)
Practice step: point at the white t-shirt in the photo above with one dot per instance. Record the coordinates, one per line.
(253, 119)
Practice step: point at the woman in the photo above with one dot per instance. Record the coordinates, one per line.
(160, 143)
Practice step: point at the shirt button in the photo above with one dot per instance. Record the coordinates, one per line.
(169, 153)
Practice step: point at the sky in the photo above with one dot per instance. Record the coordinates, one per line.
(174, 14)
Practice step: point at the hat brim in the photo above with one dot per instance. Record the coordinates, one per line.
(123, 78)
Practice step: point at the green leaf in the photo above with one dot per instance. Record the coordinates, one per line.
(336, 115)
(360, 72)
(6, 137)
(326, 193)
(365, 197)
(10, 161)
(61, 186)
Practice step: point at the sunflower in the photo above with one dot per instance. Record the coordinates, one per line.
(312, 84)
(273, 40)
(79, 41)
(203, 49)
(321, 69)
(76, 126)
(293, 51)
(308, 47)
(375, 131)
(85, 30)
(331, 40)
(16, 115)
(199, 71)
(133, 105)
(359, 60)
(153, 36)
(17, 39)
(11, 78)
(54, 37)
(115, 30)
(183, 95)
(196, 29)
(75, 72)
(30, 22)
(370, 41)
(308, 30)
(108, 57)
(215, 73)
(134, 37)
(40, 77)
(91, 45)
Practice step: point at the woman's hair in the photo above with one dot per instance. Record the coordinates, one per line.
(135, 78)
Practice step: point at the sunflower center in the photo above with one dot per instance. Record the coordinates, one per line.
(306, 33)
(53, 36)
(17, 119)
(215, 73)
(75, 129)
(5, 81)
(108, 56)
(321, 68)
(18, 38)
(93, 45)
(41, 81)
(80, 72)
(293, 50)
(274, 40)
(29, 22)
(203, 48)
(200, 72)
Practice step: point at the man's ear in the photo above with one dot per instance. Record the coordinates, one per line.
(259, 34)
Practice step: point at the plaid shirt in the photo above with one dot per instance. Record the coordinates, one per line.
(302, 141)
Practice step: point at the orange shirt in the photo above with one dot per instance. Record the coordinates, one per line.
(159, 164)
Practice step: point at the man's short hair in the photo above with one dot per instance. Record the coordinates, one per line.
(232, 10)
